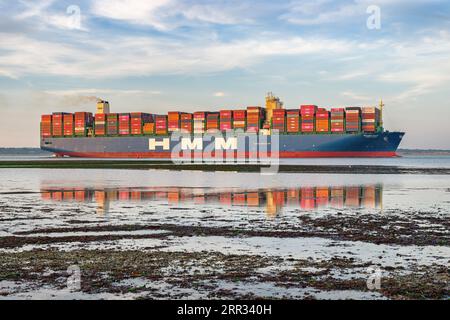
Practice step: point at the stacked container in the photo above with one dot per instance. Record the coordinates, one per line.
(254, 119)
(83, 121)
(307, 113)
(279, 120)
(337, 120)
(138, 120)
(239, 117)
(226, 120)
(68, 125)
(322, 120)
(100, 124)
(186, 122)
(148, 128)
(173, 121)
(124, 124)
(352, 119)
(199, 122)
(46, 126)
(161, 125)
(293, 121)
(112, 124)
(370, 119)
(58, 124)
(212, 121)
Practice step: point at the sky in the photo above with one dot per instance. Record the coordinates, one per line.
(169, 55)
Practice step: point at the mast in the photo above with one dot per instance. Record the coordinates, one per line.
(381, 113)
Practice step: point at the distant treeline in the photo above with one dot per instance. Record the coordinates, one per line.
(424, 152)
(22, 151)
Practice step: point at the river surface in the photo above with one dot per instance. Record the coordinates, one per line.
(411, 161)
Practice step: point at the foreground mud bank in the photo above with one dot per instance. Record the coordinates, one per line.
(317, 259)
(158, 274)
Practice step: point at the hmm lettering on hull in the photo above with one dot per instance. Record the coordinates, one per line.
(193, 144)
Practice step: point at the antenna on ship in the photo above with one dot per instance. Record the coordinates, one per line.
(381, 113)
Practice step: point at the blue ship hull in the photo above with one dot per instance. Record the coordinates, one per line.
(383, 144)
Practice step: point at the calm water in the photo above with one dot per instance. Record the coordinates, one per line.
(229, 189)
(404, 161)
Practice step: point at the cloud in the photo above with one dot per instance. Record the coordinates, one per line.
(352, 75)
(33, 8)
(219, 94)
(137, 56)
(41, 13)
(133, 11)
(317, 12)
(321, 12)
(356, 97)
(169, 14)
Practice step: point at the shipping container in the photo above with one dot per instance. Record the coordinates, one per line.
(100, 124)
(353, 119)
(212, 121)
(370, 119)
(46, 126)
(68, 125)
(83, 122)
(308, 110)
(161, 125)
(137, 122)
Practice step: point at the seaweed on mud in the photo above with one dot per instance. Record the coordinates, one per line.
(101, 270)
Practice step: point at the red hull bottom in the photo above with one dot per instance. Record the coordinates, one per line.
(285, 155)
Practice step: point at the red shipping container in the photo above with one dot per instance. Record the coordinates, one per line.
(200, 115)
(226, 114)
(239, 114)
(308, 109)
(186, 116)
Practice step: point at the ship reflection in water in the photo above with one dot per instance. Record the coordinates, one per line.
(271, 200)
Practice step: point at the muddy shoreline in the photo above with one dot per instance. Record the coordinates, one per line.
(204, 273)
(159, 272)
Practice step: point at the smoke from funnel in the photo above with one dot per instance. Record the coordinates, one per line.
(78, 100)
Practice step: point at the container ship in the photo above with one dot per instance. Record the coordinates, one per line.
(254, 132)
